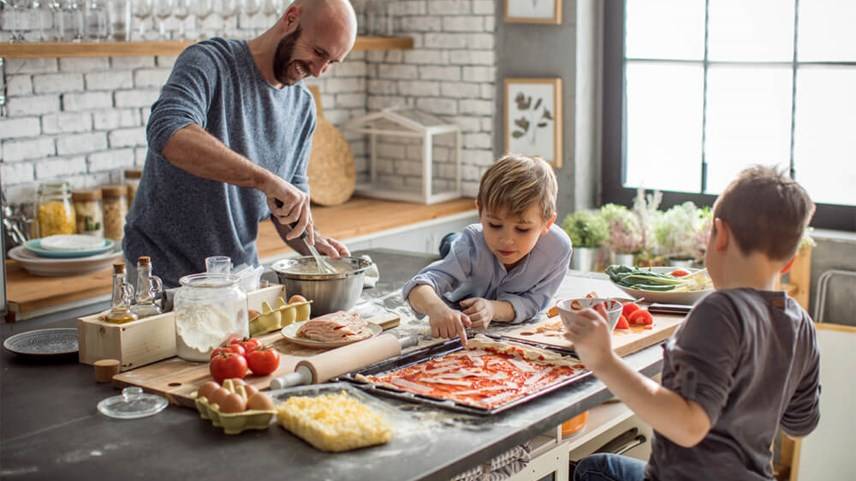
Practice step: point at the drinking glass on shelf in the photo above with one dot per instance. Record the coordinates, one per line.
(251, 8)
(55, 8)
(72, 21)
(202, 9)
(39, 11)
(226, 9)
(181, 12)
(163, 10)
(142, 10)
(13, 11)
(96, 20)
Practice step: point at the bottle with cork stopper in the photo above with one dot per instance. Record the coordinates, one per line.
(123, 294)
(148, 288)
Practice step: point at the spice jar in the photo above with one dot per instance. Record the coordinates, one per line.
(132, 180)
(87, 210)
(115, 210)
(208, 309)
(55, 212)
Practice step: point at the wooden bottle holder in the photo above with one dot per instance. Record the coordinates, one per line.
(146, 340)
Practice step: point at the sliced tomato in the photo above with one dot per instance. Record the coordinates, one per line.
(622, 323)
(642, 318)
(679, 273)
(629, 308)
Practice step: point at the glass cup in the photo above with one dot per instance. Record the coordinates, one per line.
(218, 265)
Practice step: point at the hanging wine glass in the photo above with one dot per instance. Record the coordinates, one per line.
(142, 10)
(202, 9)
(181, 12)
(226, 9)
(163, 10)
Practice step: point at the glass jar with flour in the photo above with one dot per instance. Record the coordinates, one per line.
(208, 309)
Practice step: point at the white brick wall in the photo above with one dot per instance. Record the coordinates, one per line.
(83, 119)
(451, 73)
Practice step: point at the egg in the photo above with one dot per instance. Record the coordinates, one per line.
(206, 389)
(260, 401)
(252, 314)
(218, 395)
(296, 298)
(233, 403)
(250, 390)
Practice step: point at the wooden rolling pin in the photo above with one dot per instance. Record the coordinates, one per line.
(335, 362)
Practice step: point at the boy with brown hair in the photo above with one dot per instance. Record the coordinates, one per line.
(744, 362)
(505, 268)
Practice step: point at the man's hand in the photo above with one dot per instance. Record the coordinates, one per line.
(330, 246)
(446, 322)
(479, 310)
(294, 208)
(590, 334)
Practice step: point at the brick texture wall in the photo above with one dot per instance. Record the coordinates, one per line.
(83, 119)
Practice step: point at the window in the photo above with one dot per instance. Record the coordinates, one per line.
(697, 90)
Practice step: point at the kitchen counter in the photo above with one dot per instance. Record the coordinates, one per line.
(31, 296)
(50, 429)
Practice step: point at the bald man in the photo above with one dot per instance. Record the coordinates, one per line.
(229, 137)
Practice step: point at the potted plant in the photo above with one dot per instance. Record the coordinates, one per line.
(588, 232)
(681, 234)
(625, 233)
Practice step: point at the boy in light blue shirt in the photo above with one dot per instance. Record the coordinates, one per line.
(505, 268)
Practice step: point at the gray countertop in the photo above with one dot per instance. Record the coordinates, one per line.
(50, 428)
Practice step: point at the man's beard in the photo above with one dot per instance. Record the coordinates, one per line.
(282, 58)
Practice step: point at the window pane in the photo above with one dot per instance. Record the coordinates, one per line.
(664, 125)
(751, 30)
(826, 30)
(748, 120)
(825, 144)
(665, 29)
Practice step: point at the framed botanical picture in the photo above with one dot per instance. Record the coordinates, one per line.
(533, 118)
(533, 11)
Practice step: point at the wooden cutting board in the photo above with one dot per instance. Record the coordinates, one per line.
(624, 342)
(176, 379)
(332, 173)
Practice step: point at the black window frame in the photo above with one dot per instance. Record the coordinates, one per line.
(614, 146)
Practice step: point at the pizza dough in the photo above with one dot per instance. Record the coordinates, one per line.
(333, 422)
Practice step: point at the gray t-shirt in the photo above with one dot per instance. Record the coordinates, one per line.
(750, 359)
(179, 219)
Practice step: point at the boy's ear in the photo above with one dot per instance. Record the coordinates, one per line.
(549, 223)
(788, 265)
(721, 235)
(477, 204)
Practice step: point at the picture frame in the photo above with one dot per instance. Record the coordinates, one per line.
(533, 118)
(547, 12)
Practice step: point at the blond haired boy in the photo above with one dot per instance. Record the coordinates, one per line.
(505, 268)
(743, 363)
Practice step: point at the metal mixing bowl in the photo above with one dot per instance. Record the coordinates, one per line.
(328, 292)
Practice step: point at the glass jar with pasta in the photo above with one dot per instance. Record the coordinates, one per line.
(87, 209)
(132, 179)
(115, 210)
(54, 212)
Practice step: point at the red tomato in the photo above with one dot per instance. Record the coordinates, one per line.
(263, 361)
(679, 273)
(622, 323)
(642, 318)
(228, 365)
(234, 348)
(629, 308)
(251, 344)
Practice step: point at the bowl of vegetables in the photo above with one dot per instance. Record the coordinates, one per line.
(667, 285)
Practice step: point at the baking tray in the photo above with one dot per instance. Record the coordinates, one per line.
(438, 350)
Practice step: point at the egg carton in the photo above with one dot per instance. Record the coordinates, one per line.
(233, 423)
(275, 318)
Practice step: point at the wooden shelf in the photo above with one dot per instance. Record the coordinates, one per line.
(153, 48)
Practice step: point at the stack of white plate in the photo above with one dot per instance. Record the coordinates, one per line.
(66, 255)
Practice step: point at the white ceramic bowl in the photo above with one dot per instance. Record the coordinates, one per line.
(568, 314)
(667, 297)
